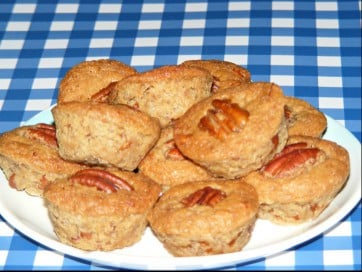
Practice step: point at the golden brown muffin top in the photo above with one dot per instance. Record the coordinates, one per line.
(231, 122)
(304, 119)
(124, 115)
(99, 192)
(308, 169)
(204, 207)
(89, 77)
(167, 166)
(225, 74)
(165, 92)
(36, 147)
(165, 73)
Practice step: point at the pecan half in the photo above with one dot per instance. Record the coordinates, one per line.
(173, 153)
(43, 132)
(205, 196)
(224, 118)
(103, 180)
(288, 114)
(290, 147)
(102, 94)
(292, 157)
(215, 84)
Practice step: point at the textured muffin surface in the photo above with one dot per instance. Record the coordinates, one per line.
(86, 217)
(29, 158)
(209, 134)
(225, 74)
(87, 78)
(165, 92)
(207, 227)
(167, 166)
(99, 133)
(304, 119)
(300, 183)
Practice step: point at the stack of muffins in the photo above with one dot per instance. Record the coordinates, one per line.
(195, 151)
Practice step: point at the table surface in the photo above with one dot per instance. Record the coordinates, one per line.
(312, 49)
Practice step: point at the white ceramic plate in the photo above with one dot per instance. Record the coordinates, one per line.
(28, 215)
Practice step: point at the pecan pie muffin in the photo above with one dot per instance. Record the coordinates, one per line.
(89, 80)
(29, 158)
(303, 119)
(166, 165)
(165, 92)
(301, 181)
(225, 74)
(102, 134)
(205, 217)
(233, 132)
(100, 209)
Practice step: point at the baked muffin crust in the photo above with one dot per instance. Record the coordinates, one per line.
(225, 74)
(304, 119)
(87, 78)
(220, 220)
(29, 158)
(165, 92)
(86, 216)
(166, 165)
(103, 134)
(203, 133)
(296, 187)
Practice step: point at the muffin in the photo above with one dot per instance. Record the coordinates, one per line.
(29, 158)
(225, 74)
(304, 119)
(165, 92)
(301, 181)
(166, 165)
(88, 80)
(233, 132)
(102, 134)
(205, 217)
(100, 209)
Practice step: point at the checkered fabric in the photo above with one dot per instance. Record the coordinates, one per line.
(310, 48)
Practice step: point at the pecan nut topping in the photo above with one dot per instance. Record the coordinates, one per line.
(288, 114)
(224, 118)
(290, 147)
(43, 132)
(224, 79)
(291, 158)
(215, 84)
(101, 179)
(102, 94)
(172, 152)
(205, 196)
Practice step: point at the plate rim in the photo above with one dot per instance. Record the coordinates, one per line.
(186, 263)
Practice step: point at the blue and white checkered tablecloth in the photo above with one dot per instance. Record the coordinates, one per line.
(310, 48)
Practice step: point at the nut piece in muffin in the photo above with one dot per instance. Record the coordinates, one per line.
(90, 80)
(102, 134)
(234, 132)
(205, 217)
(165, 92)
(29, 158)
(225, 74)
(166, 165)
(301, 180)
(303, 119)
(100, 209)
